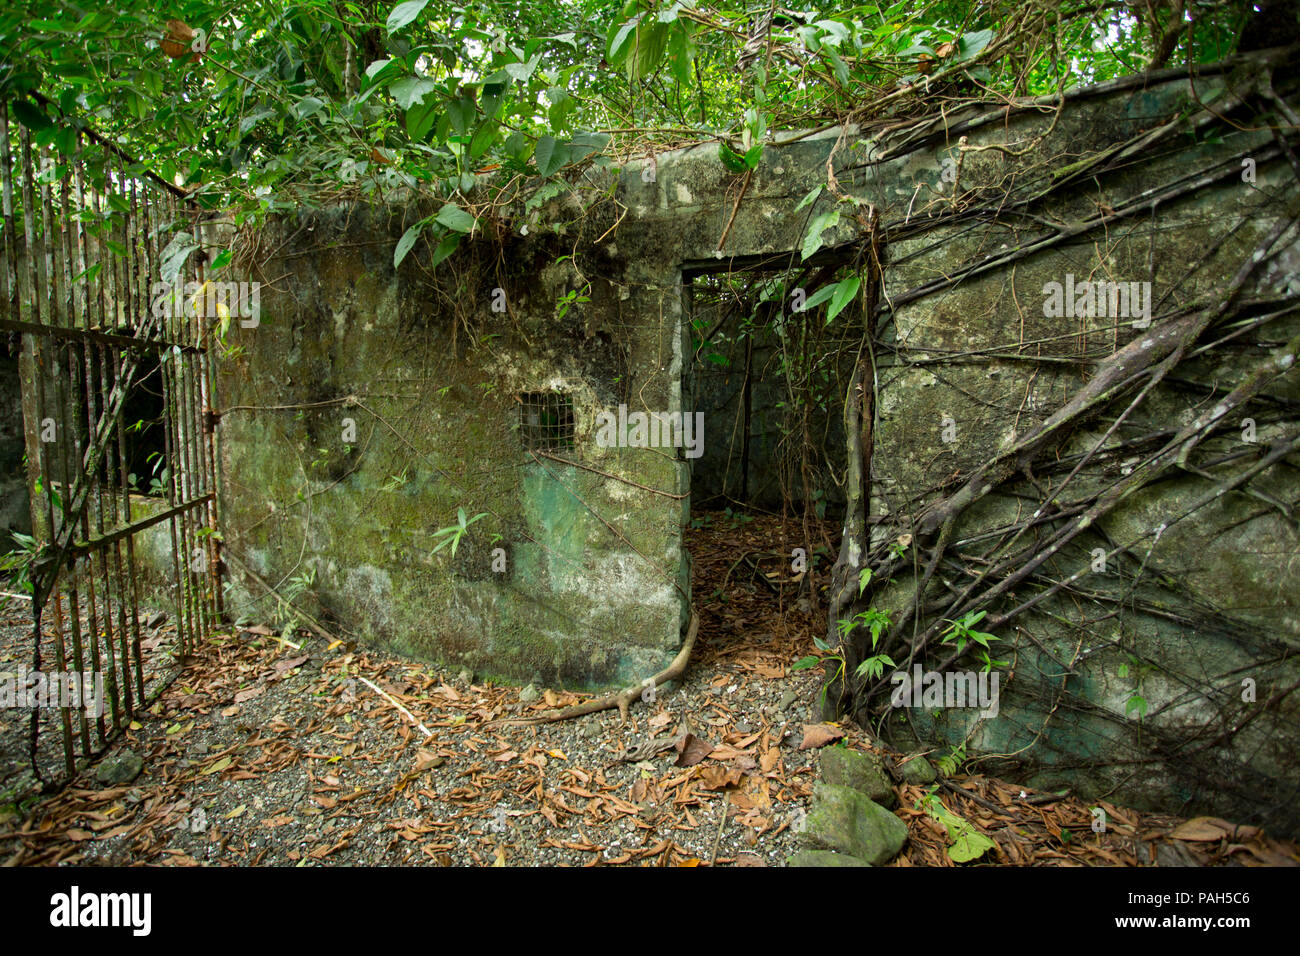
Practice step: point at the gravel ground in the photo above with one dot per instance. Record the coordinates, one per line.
(263, 752)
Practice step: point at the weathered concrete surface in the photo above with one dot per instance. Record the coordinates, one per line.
(586, 590)
(1221, 601)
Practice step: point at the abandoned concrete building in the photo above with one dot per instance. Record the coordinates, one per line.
(445, 462)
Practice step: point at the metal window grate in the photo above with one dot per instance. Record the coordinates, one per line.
(546, 420)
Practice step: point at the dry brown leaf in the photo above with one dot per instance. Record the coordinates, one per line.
(177, 40)
(819, 735)
(716, 776)
(727, 752)
(249, 693)
(691, 750)
(1210, 829)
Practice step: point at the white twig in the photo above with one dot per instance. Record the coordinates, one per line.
(388, 697)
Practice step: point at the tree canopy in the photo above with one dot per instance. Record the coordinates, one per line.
(263, 106)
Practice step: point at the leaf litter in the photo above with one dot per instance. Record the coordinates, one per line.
(263, 754)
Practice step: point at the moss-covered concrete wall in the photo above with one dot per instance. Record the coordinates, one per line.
(370, 406)
(1170, 688)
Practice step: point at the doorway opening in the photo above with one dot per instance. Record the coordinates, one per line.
(769, 374)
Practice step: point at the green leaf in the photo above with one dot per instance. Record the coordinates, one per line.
(838, 65)
(222, 260)
(967, 842)
(421, 118)
(30, 116)
(813, 240)
(972, 45)
(404, 13)
(820, 296)
(455, 218)
(562, 104)
(412, 90)
(619, 42)
(174, 256)
(522, 71)
(733, 160)
(681, 53)
(517, 147)
(845, 290)
(484, 137)
(550, 155)
(586, 144)
(307, 106)
(804, 663)
(810, 198)
(446, 247)
(407, 241)
(462, 112)
(651, 43)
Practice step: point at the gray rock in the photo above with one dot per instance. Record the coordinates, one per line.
(788, 700)
(466, 676)
(917, 771)
(530, 695)
(744, 727)
(119, 769)
(849, 822)
(1174, 854)
(861, 771)
(824, 858)
(157, 619)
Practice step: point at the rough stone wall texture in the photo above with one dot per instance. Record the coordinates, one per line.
(595, 591)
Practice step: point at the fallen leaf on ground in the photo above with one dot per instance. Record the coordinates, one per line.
(819, 735)
(1211, 829)
(691, 750)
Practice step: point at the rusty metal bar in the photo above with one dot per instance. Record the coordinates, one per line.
(76, 286)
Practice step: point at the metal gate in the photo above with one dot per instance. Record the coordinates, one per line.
(94, 247)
